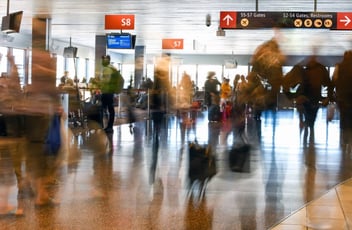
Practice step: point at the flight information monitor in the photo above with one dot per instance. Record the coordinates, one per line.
(119, 41)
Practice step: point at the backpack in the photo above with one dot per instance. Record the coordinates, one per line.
(117, 81)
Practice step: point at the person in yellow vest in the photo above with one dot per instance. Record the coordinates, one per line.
(225, 96)
(111, 82)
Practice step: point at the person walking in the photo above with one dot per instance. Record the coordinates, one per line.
(211, 88)
(225, 96)
(159, 102)
(109, 85)
(315, 77)
(342, 79)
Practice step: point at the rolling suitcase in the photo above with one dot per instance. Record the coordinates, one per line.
(93, 112)
(239, 158)
(214, 113)
(202, 166)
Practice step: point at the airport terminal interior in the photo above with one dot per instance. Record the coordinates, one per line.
(267, 171)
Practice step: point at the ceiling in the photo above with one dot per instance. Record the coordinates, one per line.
(82, 20)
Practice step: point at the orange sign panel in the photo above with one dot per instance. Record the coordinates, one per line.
(172, 43)
(228, 19)
(344, 21)
(119, 22)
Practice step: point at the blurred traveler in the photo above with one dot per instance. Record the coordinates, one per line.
(109, 84)
(265, 77)
(41, 103)
(159, 103)
(143, 84)
(149, 83)
(225, 96)
(211, 88)
(64, 78)
(12, 142)
(186, 89)
(235, 81)
(316, 76)
(342, 80)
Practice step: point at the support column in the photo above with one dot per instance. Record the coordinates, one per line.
(100, 50)
(139, 62)
(43, 64)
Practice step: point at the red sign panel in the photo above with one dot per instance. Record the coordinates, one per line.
(172, 43)
(344, 21)
(228, 19)
(119, 22)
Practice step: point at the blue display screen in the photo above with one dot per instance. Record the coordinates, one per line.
(119, 41)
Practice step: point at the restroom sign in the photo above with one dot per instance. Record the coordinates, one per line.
(259, 20)
(119, 22)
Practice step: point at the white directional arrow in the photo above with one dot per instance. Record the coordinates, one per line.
(347, 20)
(227, 18)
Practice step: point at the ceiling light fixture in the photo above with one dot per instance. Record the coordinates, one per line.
(220, 32)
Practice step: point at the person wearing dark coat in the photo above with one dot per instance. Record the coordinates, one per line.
(315, 77)
(211, 88)
(342, 80)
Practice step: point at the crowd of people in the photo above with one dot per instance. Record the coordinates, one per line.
(224, 100)
(308, 86)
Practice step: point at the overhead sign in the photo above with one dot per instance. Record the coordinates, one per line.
(119, 22)
(228, 19)
(344, 21)
(172, 43)
(257, 20)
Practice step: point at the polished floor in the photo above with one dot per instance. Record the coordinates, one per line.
(292, 182)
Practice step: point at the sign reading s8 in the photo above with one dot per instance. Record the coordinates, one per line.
(119, 22)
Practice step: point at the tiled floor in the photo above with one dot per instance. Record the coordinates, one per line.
(333, 210)
(291, 183)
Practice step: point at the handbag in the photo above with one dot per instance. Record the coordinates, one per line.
(53, 138)
(331, 109)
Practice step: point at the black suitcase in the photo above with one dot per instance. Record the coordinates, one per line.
(214, 113)
(202, 166)
(239, 158)
(93, 112)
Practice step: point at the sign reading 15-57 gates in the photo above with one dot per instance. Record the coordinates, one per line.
(256, 20)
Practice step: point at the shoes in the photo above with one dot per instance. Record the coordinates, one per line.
(13, 212)
(25, 192)
(49, 202)
(109, 130)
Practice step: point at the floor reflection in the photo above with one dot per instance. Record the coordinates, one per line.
(108, 183)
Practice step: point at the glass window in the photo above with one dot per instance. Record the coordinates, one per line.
(3, 60)
(150, 71)
(231, 73)
(19, 62)
(127, 72)
(60, 68)
(80, 68)
(70, 67)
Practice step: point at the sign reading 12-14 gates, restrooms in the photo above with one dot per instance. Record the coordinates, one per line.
(257, 20)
